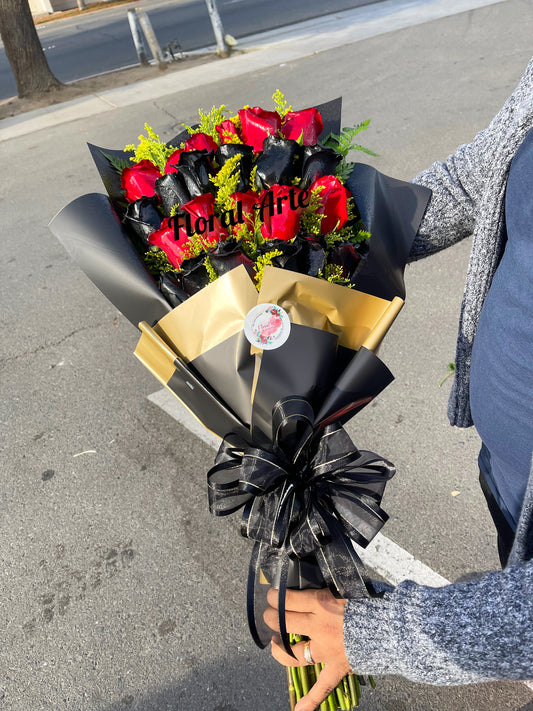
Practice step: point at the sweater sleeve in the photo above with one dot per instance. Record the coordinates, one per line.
(462, 633)
(458, 183)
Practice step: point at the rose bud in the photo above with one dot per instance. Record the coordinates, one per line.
(304, 126)
(172, 191)
(226, 130)
(171, 289)
(143, 217)
(193, 275)
(228, 255)
(195, 168)
(139, 180)
(345, 255)
(173, 161)
(288, 259)
(165, 238)
(276, 164)
(317, 164)
(312, 255)
(280, 223)
(257, 124)
(230, 150)
(200, 142)
(243, 209)
(334, 203)
(204, 221)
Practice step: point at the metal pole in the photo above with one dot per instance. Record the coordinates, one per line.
(81, 4)
(222, 48)
(137, 37)
(149, 33)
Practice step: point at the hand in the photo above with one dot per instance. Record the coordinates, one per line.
(320, 616)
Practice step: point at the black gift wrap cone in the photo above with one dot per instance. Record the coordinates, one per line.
(92, 233)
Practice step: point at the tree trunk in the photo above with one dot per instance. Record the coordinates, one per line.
(23, 50)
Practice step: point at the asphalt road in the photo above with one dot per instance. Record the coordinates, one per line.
(90, 44)
(118, 590)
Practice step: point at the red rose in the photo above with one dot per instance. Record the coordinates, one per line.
(203, 219)
(225, 129)
(139, 180)
(173, 160)
(257, 124)
(199, 142)
(247, 201)
(280, 223)
(334, 203)
(307, 123)
(176, 249)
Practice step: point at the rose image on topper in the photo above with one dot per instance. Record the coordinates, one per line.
(267, 326)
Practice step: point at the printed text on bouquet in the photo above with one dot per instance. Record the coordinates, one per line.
(273, 206)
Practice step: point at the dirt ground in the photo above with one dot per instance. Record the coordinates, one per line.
(15, 106)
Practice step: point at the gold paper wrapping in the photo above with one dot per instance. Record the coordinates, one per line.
(349, 314)
(209, 317)
(154, 354)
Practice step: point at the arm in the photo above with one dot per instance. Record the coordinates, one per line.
(459, 183)
(462, 633)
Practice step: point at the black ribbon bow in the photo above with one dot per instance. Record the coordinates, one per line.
(309, 497)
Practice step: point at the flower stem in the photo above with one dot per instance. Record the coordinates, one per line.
(296, 682)
(353, 683)
(340, 698)
(305, 680)
(372, 682)
(292, 692)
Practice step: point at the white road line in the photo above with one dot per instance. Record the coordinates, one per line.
(383, 555)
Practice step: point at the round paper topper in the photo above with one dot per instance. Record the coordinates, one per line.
(267, 326)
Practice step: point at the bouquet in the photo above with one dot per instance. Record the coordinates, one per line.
(263, 271)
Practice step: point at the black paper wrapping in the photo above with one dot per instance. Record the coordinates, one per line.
(217, 385)
(91, 232)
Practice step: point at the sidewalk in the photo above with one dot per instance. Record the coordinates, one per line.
(255, 53)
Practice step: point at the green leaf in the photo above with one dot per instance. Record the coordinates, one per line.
(343, 143)
(451, 371)
(118, 163)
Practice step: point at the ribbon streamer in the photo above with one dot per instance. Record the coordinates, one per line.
(308, 499)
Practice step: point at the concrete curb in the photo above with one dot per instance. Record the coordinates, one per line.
(258, 52)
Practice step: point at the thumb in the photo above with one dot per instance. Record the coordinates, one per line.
(328, 680)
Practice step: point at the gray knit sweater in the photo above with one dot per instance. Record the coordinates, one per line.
(482, 629)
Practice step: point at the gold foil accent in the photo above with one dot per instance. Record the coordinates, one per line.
(373, 341)
(350, 314)
(154, 354)
(212, 315)
(158, 358)
(262, 578)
